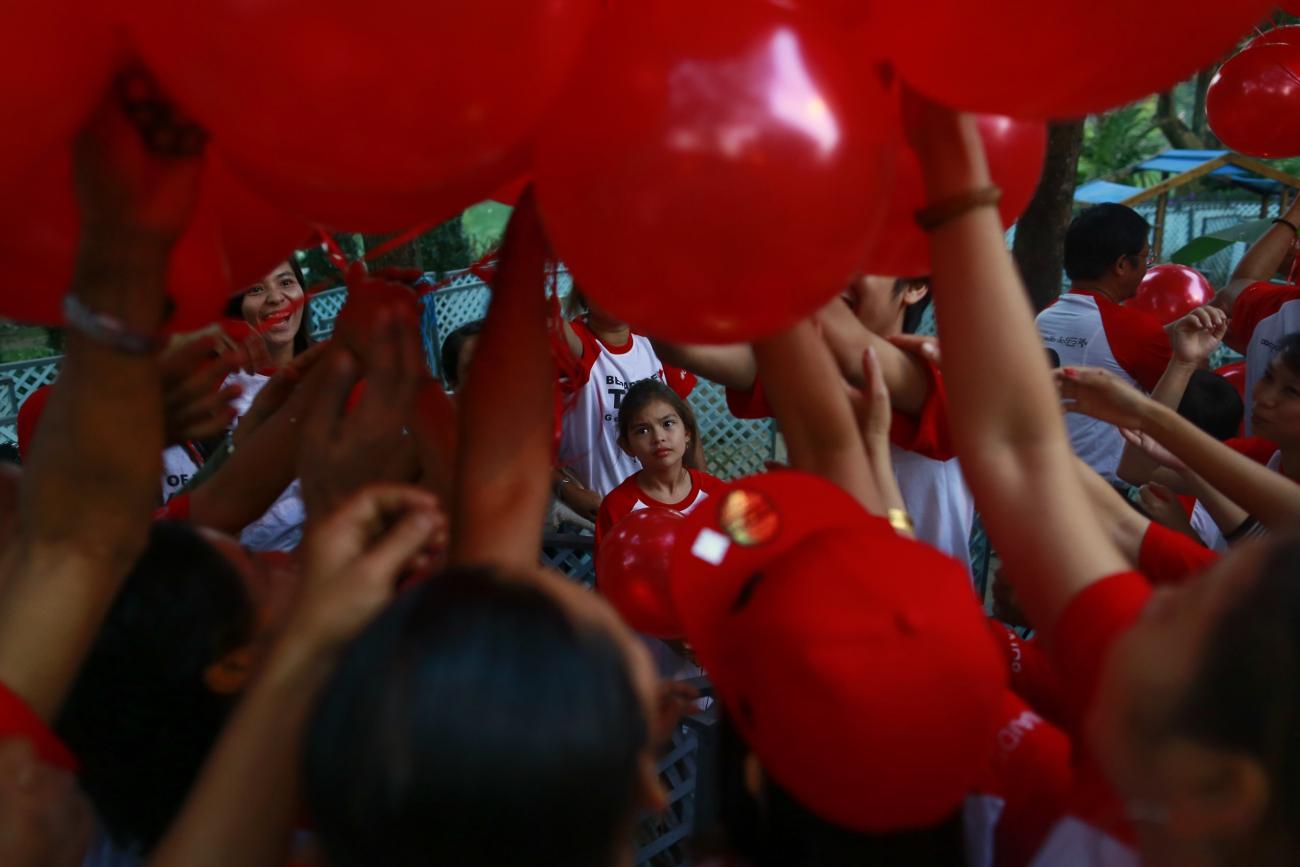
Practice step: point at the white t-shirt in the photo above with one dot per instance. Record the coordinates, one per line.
(179, 466)
(589, 437)
(1262, 315)
(1205, 525)
(1086, 329)
(280, 528)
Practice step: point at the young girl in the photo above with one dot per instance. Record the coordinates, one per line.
(611, 359)
(657, 428)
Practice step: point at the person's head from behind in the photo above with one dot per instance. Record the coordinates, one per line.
(1108, 247)
(490, 720)
(1275, 413)
(457, 351)
(656, 426)
(888, 305)
(842, 674)
(274, 307)
(173, 653)
(1212, 404)
(1197, 720)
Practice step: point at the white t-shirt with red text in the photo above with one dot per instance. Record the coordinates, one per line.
(1086, 329)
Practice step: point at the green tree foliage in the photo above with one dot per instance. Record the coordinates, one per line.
(1117, 139)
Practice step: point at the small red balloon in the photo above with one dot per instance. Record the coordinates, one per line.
(632, 570)
(1235, 373)
(1015, 149)
(716, 171)
(1011, 56)
(1169, 292)
(1253, 104)
(234, 239)
(349, 114)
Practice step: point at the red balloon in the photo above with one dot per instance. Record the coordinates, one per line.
(1278, 35)
(368, 117)
(56, 59)
(715, 171)
(1290, 7)
(1169, 292)
(510, 193)
(234, 239)
(1016, 150)
(1253, 104)
(632, 570)
(1054, 59)
(1235, 373)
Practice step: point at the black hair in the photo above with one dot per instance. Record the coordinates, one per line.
(1288, 350)
(644, 392)
(775, 830)
(9, 454)
(915, 313)
(1101, 235)
(475, 723)
(140, 716)
(1245, 695)
(1212, 404)
(451, 348)
(302, 337)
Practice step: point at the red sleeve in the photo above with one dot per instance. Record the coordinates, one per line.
(1034, 775)
(176, 509)
(590, 351)
(926, 433)
(1257, 302)
(679, 380)
(17, 720)
(616, 506)
(1032, 675)
(749, 404)
(710, 485)
(1258, 449)
(1169, 557)
(1087, 629)
(1137, 341)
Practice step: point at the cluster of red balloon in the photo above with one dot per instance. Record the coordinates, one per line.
(1169, 292)
(1253, 104)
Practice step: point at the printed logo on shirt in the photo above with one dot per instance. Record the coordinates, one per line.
(178, 481)
(616, 388)
(1011, 734)
(1080, 342)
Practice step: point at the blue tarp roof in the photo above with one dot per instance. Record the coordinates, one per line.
(1175, 162)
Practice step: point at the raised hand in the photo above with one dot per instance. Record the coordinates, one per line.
(195, 405)
(1196, 335)
(1102, 395)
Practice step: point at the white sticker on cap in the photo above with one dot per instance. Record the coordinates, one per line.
(711, 546)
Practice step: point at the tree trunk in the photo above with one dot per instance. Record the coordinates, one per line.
(1199, 124)
(1177, 132)
(1040, 234)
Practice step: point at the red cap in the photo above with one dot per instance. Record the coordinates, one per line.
(29, 416)
(855, 663)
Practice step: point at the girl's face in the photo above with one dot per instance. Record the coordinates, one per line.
(1146, 677)
(1276, 411)
(275, 305)
(657, 437)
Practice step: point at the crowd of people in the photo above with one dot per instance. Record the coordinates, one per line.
(270, 601)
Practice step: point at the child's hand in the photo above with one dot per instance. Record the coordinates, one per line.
(1100, 394)
(1196, 335)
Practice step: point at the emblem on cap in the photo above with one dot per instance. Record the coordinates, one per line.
(749, 517)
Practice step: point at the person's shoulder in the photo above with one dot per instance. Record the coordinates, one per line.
(1257, 449)
(707, 483)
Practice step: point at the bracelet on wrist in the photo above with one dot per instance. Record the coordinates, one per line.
(1281, 221)
(900, 520)
(938, 214)
(108, 330)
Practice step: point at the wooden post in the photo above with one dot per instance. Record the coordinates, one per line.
(1161, 204)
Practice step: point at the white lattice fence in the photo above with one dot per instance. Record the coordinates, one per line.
(18, 380)
(733, 447)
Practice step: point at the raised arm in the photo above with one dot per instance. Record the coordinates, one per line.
(91, 483)
(1006, 423)
(1271, 498)
(507, 412)
(903, 373)
(1263, 258)
(1193, 338)
(731, 365)
(808, 396)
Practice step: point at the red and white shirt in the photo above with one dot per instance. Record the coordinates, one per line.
(1095, 831)
(628, 498)
(1085, 328)
(589, 437)
(925, 464)
(1262, 315)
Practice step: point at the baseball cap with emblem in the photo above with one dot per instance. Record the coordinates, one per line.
(856, 664)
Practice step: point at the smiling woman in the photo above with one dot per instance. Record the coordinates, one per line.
(275, 308)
